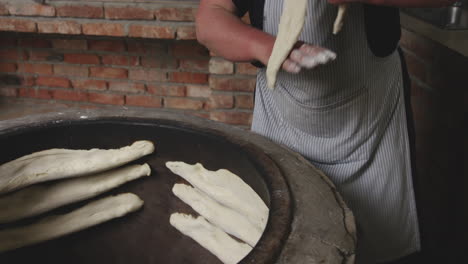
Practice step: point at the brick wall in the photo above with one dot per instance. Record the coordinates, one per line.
(440, 105)
(140, 55)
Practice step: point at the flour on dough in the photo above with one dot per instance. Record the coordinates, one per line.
(212, 238)
(37, 199)
(92, 214)
(66, 163)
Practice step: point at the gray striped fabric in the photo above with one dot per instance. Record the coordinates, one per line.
(348, 118)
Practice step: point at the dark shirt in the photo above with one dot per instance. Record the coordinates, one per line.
(382, 24)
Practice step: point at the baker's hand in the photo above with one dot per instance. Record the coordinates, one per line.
(308, 57)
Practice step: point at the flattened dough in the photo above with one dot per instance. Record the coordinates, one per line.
(38, 199)
(92, 214)
(225, 218)
(290, 27)
(66, 163)
(210, 237)
(226, 188)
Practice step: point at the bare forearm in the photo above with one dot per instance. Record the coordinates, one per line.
(219, 29)
(400, 3)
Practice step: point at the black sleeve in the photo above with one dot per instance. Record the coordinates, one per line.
(242, 6)
(382, 29)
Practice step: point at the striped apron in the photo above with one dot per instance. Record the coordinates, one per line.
(348, 118)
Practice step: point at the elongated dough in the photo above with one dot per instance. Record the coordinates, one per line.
(220, 244)
(339, 21)
(92, 214)
(66, 163)
(225, 218)
(226, 188)
(290, 27)
(38, 199)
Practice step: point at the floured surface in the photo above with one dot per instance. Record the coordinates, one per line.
(94, 213)
(37, 199)
(227, 219)
(226, 188)
(65, 163)
(212, 238)
(290, 28)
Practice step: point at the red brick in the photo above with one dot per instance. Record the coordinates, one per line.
(143, 100)
(87, 11)
(7, 67)
(43, 55)
(69, 95)
(200, 114)
(3, 10)
(28, 80)
(175, 14)
(59, 27)
(104, 29)
(7, 42)
(221, 66)
(189, 77)
(115, 99)
(221, 101)
(186, 33)
(194, 64)
(244, 101)
(80, 58)
(9, 54)
(147, 75)
(69, 44)
(31, 9)
(106, 72)
(120, 60)
(107, 45)
(128, 12)
(40, 43)
(167, 90)
(151, 31)
(232, 84)
(44, 69)
(8, 91)
(246, 68)
(127, 87)
(152, 48)
(53, 82)
(233, 118)
(16, 24)
(188, 49)
(70, 70)
(159, 62)
(89, 84)
(34, 93)
(198, 91)
(182, 103)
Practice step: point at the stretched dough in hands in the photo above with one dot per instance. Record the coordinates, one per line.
(226, 188)
(290, 27)
(227, 219)
(66, 163)
(38, 199)
(92, 214)
(220, 244)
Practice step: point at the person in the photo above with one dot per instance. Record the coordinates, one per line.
(347, 116)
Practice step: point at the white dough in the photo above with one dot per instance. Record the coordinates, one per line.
(290, 27)
(66, 163)
(227, 189)
(225, 218)
(38, 199)
(220, 244)
(339, 21)
(92, 214)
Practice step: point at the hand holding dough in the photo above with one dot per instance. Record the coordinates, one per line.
(66, 163)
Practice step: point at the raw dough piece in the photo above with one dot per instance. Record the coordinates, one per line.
(338, 25)
(66, 163)
(38, 199)
(227, 189)
(225, 218)
(92, 214)
(290, 27)
(210, 237)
